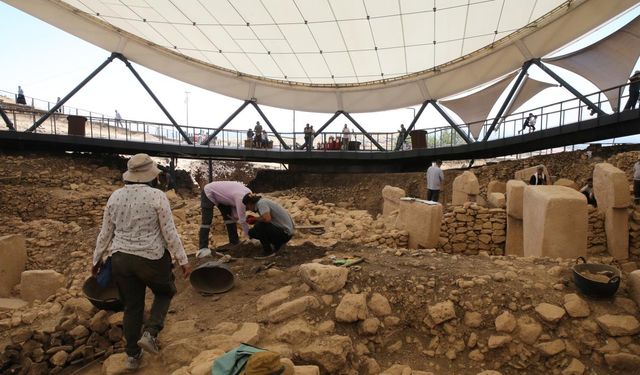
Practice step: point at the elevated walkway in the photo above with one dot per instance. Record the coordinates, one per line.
(590, 130)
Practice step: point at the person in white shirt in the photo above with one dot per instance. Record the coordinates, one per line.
(139, 234)
(346, 134)
(435, 177)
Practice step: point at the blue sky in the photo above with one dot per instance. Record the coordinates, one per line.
(48, 63)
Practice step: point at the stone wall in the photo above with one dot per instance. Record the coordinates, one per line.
(596, 236)
(634, 231)
(471, 228)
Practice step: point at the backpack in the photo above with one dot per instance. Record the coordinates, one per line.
(233, 361)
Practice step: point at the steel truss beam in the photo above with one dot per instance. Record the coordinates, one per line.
(153, 96)
(507, 101)
(6, 119)
(225, 123)
(347, 115)
(113, 56)
(562, 82)
(266, 120)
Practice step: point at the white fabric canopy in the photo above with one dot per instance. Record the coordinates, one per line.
(474, 109)
(328, 55)
(607, 63)
(528, 90)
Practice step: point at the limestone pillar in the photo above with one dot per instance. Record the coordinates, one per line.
(496, 187)
(611, 189)
(13, 259)
(514, 193)
(391, 199)
(422, 221)
(465, 188)
(555, 222)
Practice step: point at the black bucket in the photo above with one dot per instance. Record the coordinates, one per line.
(212, 278)
(596, 288)
(103, 298)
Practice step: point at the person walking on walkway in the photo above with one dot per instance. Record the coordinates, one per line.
(634, 90)
(118, 119)
(308, 137)
(529, 122)
(435, 177)
(273, 228)
(227, 196)
(402, 134)
(139, 234)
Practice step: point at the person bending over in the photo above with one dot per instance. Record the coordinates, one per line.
(139, 234)
(227, 196)
(273, 228)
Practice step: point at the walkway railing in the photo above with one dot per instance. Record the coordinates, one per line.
(103, 127)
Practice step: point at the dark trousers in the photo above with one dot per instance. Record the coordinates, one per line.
(133, 274)
(207, 218)
(633, 98)
(433, 195)
(269, 234)
(636, 190)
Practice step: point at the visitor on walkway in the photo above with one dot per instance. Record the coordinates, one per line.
(529, 122)
(538, 178)
(346, 134)
(308, 137)
(250, 134)
(435, 177)
(402, 133)
(257, 138)
(587, 190)
(118, 119)
(634, 90)
(265, 139)
(20, 99)
(273, 228)
(636, 182)
(139, 234)
(227, 196)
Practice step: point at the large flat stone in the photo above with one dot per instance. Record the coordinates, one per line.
(619, 325)
(634, 282)
(13, 258)
(555, 222)
(40, 284)
(323, 278)
(12, 304)
(422, 221)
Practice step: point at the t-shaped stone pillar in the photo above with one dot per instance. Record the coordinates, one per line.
(611, 189)
(465, 188)
(555, 222)
(422, 220)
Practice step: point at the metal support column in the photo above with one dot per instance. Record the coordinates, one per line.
(72, 93)
(153, 96)
(273, 130)
(225, 123)
(210, 170)
(451, 122)
(347, 115)
(507, 101)
(575, 92)
(411, 126)
(7, 120)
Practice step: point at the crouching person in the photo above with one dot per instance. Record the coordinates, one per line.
(273, 228)
(137, 229)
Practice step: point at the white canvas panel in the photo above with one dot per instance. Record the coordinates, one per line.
(328, 36)
(242, 63)
(252, 11)
(381, 8)
(289, 65)
(267, 32)
(445, 52)
(316, 67)
(450, 24)
(476, 107)
(251, 46)
(528, 90)
(283, 11)
(299, 38)
(240, 32)
(169, 11)
(195, 37)
(482, 18)
(607, 63)
(217, 59)
(475, 43)
(419, 57)
(345, 10)
(340, 64)
(315, 11)
(196, 12)
(220, 38)
(366, 64)
(418, 29)
(392, 61)
(515, 14)
(145, 13)
(223, 12)
(357, 34)
(267, 66)
(277, 46)
(415, 6)
(387, 32)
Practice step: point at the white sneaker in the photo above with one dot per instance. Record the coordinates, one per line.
(149, 343)
(133, 363)
(204, 252)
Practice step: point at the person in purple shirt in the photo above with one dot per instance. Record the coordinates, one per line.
(227, 196)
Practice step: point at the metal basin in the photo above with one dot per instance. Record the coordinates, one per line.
(212, 278)
(103, 298)
(596, 280)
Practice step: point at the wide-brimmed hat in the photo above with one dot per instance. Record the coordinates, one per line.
(267, 363)
(140, 168)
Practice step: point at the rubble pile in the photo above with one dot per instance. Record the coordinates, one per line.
(471, 228)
